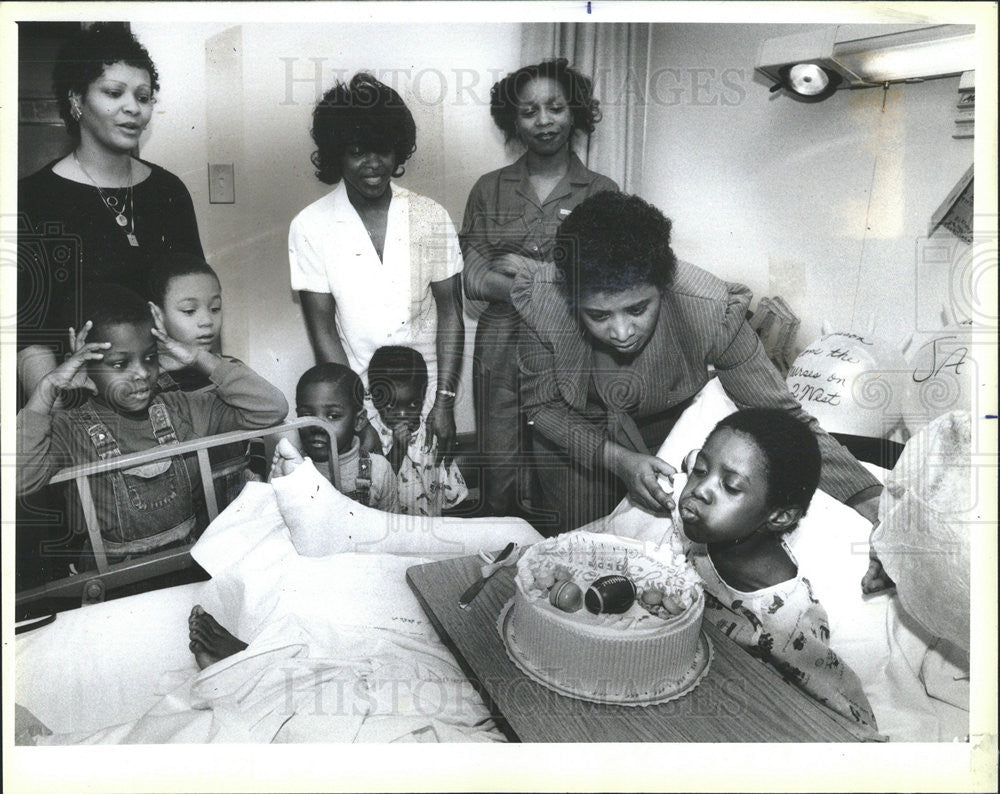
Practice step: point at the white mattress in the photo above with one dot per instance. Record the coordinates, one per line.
(100, 665)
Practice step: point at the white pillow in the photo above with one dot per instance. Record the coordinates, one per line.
(709, 406)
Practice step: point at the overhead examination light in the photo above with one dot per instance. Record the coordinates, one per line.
(811, 66)
(808, 81)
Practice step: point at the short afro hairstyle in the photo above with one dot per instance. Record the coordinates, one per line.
(790, 449)
(365, 113)
(171, 265)
(339, 376)
(84, 57)
(105, 305)
(391, 365)
(577, 88)
(613, 242)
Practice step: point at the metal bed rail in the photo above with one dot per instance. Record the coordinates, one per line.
(91, 586)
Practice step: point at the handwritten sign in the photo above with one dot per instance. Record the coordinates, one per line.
(940, 375)
(850, 383)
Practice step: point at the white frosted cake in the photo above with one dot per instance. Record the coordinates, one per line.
(607, 618)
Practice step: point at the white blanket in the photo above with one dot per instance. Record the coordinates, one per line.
(339, 649)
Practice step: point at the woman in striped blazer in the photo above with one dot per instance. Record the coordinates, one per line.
(618, 337)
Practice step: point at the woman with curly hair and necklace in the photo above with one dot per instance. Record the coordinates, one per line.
(375, 264)
(99, 214)
(510, 222)
(619, 337)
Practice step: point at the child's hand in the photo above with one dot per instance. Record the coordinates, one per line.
(173, 355)
(78, 340)
(401, 436)
(875, 580)
(71, 374)
(78, 344)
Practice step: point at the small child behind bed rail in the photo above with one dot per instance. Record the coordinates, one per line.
(187, 303)
(335, 393)
(427, 484)
(116, 357)
(746, 488)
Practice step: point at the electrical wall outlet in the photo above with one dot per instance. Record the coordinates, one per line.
(221, 184)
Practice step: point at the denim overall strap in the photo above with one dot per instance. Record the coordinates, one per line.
(98, 432)
(153, 504)
(104, 441)
(363, 482)
(159, 418)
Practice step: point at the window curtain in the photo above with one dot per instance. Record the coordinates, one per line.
(616, 57)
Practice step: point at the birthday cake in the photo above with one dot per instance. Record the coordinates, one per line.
(608, 619)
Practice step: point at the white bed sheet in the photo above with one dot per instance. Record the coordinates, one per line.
(339, 642)
(101, 665)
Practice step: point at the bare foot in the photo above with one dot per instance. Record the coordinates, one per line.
(876, 579)
(210, 642)
(286, 459)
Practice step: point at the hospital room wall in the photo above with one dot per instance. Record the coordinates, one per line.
(825, 204)
(244, 94)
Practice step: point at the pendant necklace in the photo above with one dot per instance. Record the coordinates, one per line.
(112, 203)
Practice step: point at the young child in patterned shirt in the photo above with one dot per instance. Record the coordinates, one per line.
(746, 488)
(397, 381)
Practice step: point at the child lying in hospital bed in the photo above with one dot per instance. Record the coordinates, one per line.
(906, 648)
(336, 647)
(746, 489)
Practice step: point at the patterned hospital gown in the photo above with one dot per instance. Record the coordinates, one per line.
(786, 626)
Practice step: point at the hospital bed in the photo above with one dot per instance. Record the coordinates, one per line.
(110, 664)
(100, 673)
(92, 586)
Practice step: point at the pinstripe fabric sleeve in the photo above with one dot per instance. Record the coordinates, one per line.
(752, 381)
(545, 406)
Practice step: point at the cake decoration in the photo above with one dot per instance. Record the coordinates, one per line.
(638, 641)
(610, 594)
(566, 595)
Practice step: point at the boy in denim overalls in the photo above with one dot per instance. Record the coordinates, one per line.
(150, 507)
